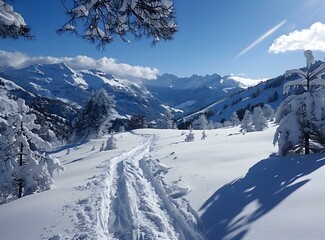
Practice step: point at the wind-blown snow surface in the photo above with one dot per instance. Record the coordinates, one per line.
(236, 185)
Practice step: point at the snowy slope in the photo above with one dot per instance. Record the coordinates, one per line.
(156, 186)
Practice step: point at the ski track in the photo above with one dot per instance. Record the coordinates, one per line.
(133, 203)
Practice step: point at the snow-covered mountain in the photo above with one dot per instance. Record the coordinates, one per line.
(195, 92)
(60, 82)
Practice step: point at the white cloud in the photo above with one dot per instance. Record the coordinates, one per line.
(261, 38)
(312, 38)
(110, 65)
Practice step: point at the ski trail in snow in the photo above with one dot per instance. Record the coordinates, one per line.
(133, 203)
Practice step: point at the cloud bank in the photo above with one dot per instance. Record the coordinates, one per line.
(109, 65)
(312, 38)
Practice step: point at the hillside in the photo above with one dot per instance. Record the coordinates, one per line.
(156, 186)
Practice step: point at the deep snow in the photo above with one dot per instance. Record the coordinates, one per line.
(157, 186)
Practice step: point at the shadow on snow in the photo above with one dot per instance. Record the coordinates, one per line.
(229, 212)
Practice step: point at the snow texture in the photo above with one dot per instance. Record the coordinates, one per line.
(229, 186)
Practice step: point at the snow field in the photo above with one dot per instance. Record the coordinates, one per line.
(157, 186)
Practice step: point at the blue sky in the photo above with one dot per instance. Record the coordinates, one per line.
(215, 36)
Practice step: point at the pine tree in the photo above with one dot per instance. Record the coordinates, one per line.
(167, 122)
(200, 123)
(234, 119)
(268, 112)
(95, 117)
(301, 117)
(12, 24)
(24, 170)
(246, 123)
(101, 20)
(104, 19)
(259, 121)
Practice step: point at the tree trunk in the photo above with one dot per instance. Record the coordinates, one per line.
(20, 181)
(307, 143)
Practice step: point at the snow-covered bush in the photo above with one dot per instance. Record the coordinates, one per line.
(24, 170)
(111, 143)
(190, 136)
(204, 135)
(102, 147)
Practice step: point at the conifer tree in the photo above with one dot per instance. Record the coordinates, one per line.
(301, 117)
(246, 123)
(259, 121)
(104, 19)
(95, 118)
(234, 119)
(201, 123)
(12, 24)
(24, 170)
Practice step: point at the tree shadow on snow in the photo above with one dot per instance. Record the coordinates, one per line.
(232, 208)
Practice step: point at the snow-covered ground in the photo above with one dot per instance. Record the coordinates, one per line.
(157, 186)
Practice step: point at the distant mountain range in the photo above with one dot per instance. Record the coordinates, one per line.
(60, 91)
(195, 92)
(60, 82)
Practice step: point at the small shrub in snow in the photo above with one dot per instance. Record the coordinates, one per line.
(111, 143)
(102, 147)
(204, 135)
(190, 136)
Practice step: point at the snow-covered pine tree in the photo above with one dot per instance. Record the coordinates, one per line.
(201, 123)
(301, 117)
(268, 112)
(167, 121)
(12, 24)
(24, 170)
(104, 19)
(95, 118)
(111, 143)
(259, 121)
(234, 119)
(246, 123)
